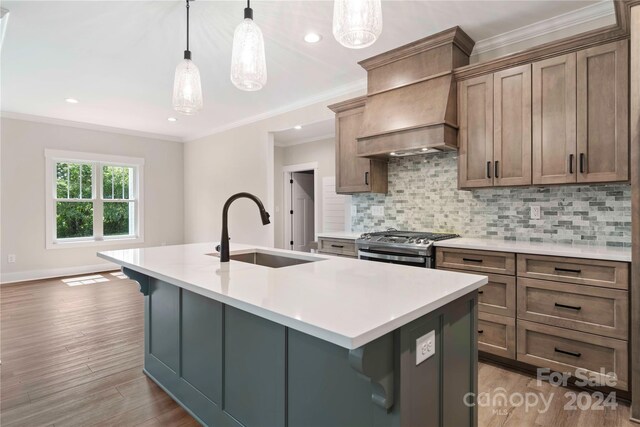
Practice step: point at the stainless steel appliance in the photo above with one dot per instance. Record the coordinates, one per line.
(400, 247)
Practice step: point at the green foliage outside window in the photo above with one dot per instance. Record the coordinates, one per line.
(75, 218)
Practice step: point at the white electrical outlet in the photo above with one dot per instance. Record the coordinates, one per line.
(425, 347)
(377, 210)
(11, 258)
(354, 210)
(535, 212)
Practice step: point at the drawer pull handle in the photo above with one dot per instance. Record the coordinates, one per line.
(337, 246)
(570, 353)
(571, 307)
(471, 260)
(481, 331)
(568, 270)
(480, 292)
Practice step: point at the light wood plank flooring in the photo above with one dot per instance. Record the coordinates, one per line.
(72, 350)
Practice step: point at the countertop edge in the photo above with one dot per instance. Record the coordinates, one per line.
(561, 251)
(349, 343)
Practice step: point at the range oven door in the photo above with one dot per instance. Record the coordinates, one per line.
(382, 255)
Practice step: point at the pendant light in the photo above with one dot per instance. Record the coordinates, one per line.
(248, 65)
(187, 90)
(357, 23)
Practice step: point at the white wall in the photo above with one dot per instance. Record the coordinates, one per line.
(324, 153)
(22, 213)
(240, 159)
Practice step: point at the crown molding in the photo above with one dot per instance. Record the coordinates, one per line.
(565, 21)
(305, 140)
(88, 126)
(357, 86)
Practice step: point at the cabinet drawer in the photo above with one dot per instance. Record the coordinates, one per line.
(478, 261)
(608, 274)
(498, 296)
(582, 308)
(497, 335)
(337, 246)
(565, 350)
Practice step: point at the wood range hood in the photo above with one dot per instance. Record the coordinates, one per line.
(411, 103)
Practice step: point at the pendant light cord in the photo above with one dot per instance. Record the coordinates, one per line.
(187, 24)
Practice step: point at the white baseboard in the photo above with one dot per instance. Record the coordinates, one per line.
(21, 276)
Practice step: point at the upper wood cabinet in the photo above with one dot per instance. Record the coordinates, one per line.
(355, 174)
(475, 118)
(554, 120)
(494, 114)
(602, 113)
(561, 120)
(512, 126)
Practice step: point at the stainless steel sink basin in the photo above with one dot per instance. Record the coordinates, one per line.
(270, 259)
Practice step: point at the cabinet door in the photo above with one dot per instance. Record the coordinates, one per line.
(352, 172)
(512, 126)
(554, 120)
(603, 97)
(475, 114)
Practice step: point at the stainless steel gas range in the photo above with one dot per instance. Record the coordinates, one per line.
(400, 247)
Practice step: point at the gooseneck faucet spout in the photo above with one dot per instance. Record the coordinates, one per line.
(224, 241)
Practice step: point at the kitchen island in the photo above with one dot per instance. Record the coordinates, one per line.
(281, 338)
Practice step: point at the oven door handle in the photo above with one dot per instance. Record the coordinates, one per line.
(415, 260)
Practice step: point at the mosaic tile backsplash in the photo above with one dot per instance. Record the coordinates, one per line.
(423, 195)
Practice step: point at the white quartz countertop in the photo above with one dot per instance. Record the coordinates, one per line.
(553, 249)
(349, 235)
(345, 301)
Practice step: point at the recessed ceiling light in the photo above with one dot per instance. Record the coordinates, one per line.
(172, 119)
(392, 154)
(71, 100)
(312, 37)
(297, 127)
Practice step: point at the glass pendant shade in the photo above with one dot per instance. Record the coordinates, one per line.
(187, 90)
(357, 23)
(248, 65)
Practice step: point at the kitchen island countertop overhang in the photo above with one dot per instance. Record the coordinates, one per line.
(344, 301)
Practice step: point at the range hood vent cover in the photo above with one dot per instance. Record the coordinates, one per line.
(411, 104)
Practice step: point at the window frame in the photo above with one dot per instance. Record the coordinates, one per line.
(96, 161)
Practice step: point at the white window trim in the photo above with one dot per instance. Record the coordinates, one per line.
(53, 156)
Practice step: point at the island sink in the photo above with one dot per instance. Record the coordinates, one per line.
(270, 259)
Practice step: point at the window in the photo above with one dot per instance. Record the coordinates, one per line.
(93, 199)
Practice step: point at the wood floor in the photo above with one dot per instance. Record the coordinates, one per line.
(71, 353)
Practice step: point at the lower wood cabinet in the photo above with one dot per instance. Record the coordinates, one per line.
(609, 274)
(342, 247)
(577, 307)
(551, 312)
(476, 261)
(498, 296)
(497, 335)
(566, 350)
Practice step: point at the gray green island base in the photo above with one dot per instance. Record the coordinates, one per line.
(228, 367)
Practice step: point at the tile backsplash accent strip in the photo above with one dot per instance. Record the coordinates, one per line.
(423, 195)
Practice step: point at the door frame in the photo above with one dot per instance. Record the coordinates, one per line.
(286, 198)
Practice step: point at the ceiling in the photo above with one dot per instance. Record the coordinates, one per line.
(118, 57)
(308, 133)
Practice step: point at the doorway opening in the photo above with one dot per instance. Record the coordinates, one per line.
(299, 207)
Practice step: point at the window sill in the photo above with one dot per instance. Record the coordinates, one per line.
(94, 243)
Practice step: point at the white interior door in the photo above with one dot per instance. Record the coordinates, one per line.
(302, 219)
